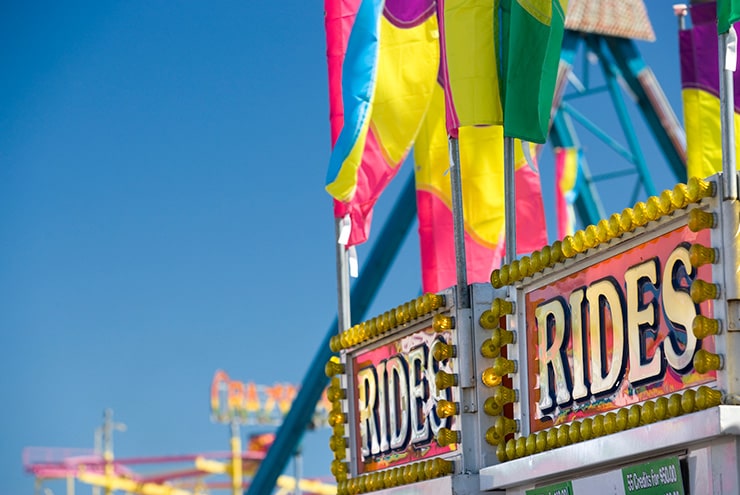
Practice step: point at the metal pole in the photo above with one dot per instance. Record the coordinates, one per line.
(343, 284)
(727, 111)
(298, 464)
(509, 200)
(458, 223)
(236, 459)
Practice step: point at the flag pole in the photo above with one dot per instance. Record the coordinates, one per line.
(509, 201)
(342, 255)
(727, 111)
(458, 224)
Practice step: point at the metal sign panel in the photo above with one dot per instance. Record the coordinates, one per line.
(395, 420)
(615, 333)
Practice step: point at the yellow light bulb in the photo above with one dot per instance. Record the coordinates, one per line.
(535, 262)
(666, 202)
(492, 408)
(504, 275)
(575, 432)
(579, 241)
(489, 320)
(420, 473)
(680, 196)
(622, 419)
(338, 467)
(501, 452)
(626, 221)
(556, 252)
(441, 323)
(333, 367)
(615, 225)
(610, 423)
(674, 406)
(493, 436)
(703, 291)
(704, 327)
(546, 257)
(552, 438)
(421, 307)
(344, 339)
(531, 445)
(511, 449)
(437, 300)
(335, 344)
(490, 378)
(521, 447)
(336, 418)
(502, 307)
(652, 208)
(505, 426)
(661, 408)
(639, 214)
(496, 279)
(568, 247)
(504, 395)
(633, 417)
(700, 220)
(698, 188)
(442, 351)
(489, 349)
(514, 274)
(525, 268)
(337, 443)
(392, 322)
(597, 426)
(563, 436)
(701, 255)
(647, 413)
(502, 366)
(591, 238)
(707, 397)
(688, 401)
(446, 437)
(540, 440)
(603, 232)
(411, 310)
(401, 316)
(705, 361)
(586, 431)
(446, 408)
(444, 380)
(409, 474)
(501, 337)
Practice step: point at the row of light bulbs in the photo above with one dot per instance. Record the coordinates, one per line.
(619, 223)
(398, 476)
(374, 327)
(612, 422)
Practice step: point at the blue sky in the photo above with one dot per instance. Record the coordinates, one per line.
(162, 215)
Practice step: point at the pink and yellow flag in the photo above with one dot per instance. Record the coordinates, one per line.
(566, 178)
(481, 168)
(388, 73)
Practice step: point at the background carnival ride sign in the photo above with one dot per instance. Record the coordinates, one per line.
(615, 333)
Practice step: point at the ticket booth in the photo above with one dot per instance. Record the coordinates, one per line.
(604, 363)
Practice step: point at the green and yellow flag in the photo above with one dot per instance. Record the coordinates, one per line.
(500, 63)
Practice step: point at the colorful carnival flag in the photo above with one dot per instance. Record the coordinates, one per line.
(566, 180)
(481, 168)
(387, 75)
(700, 92)
(728, 13)
(501, 63)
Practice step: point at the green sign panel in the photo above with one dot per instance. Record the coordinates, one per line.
(565, 488)
(661, 477)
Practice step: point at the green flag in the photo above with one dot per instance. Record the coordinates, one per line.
(533, 37)
(728, 13)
